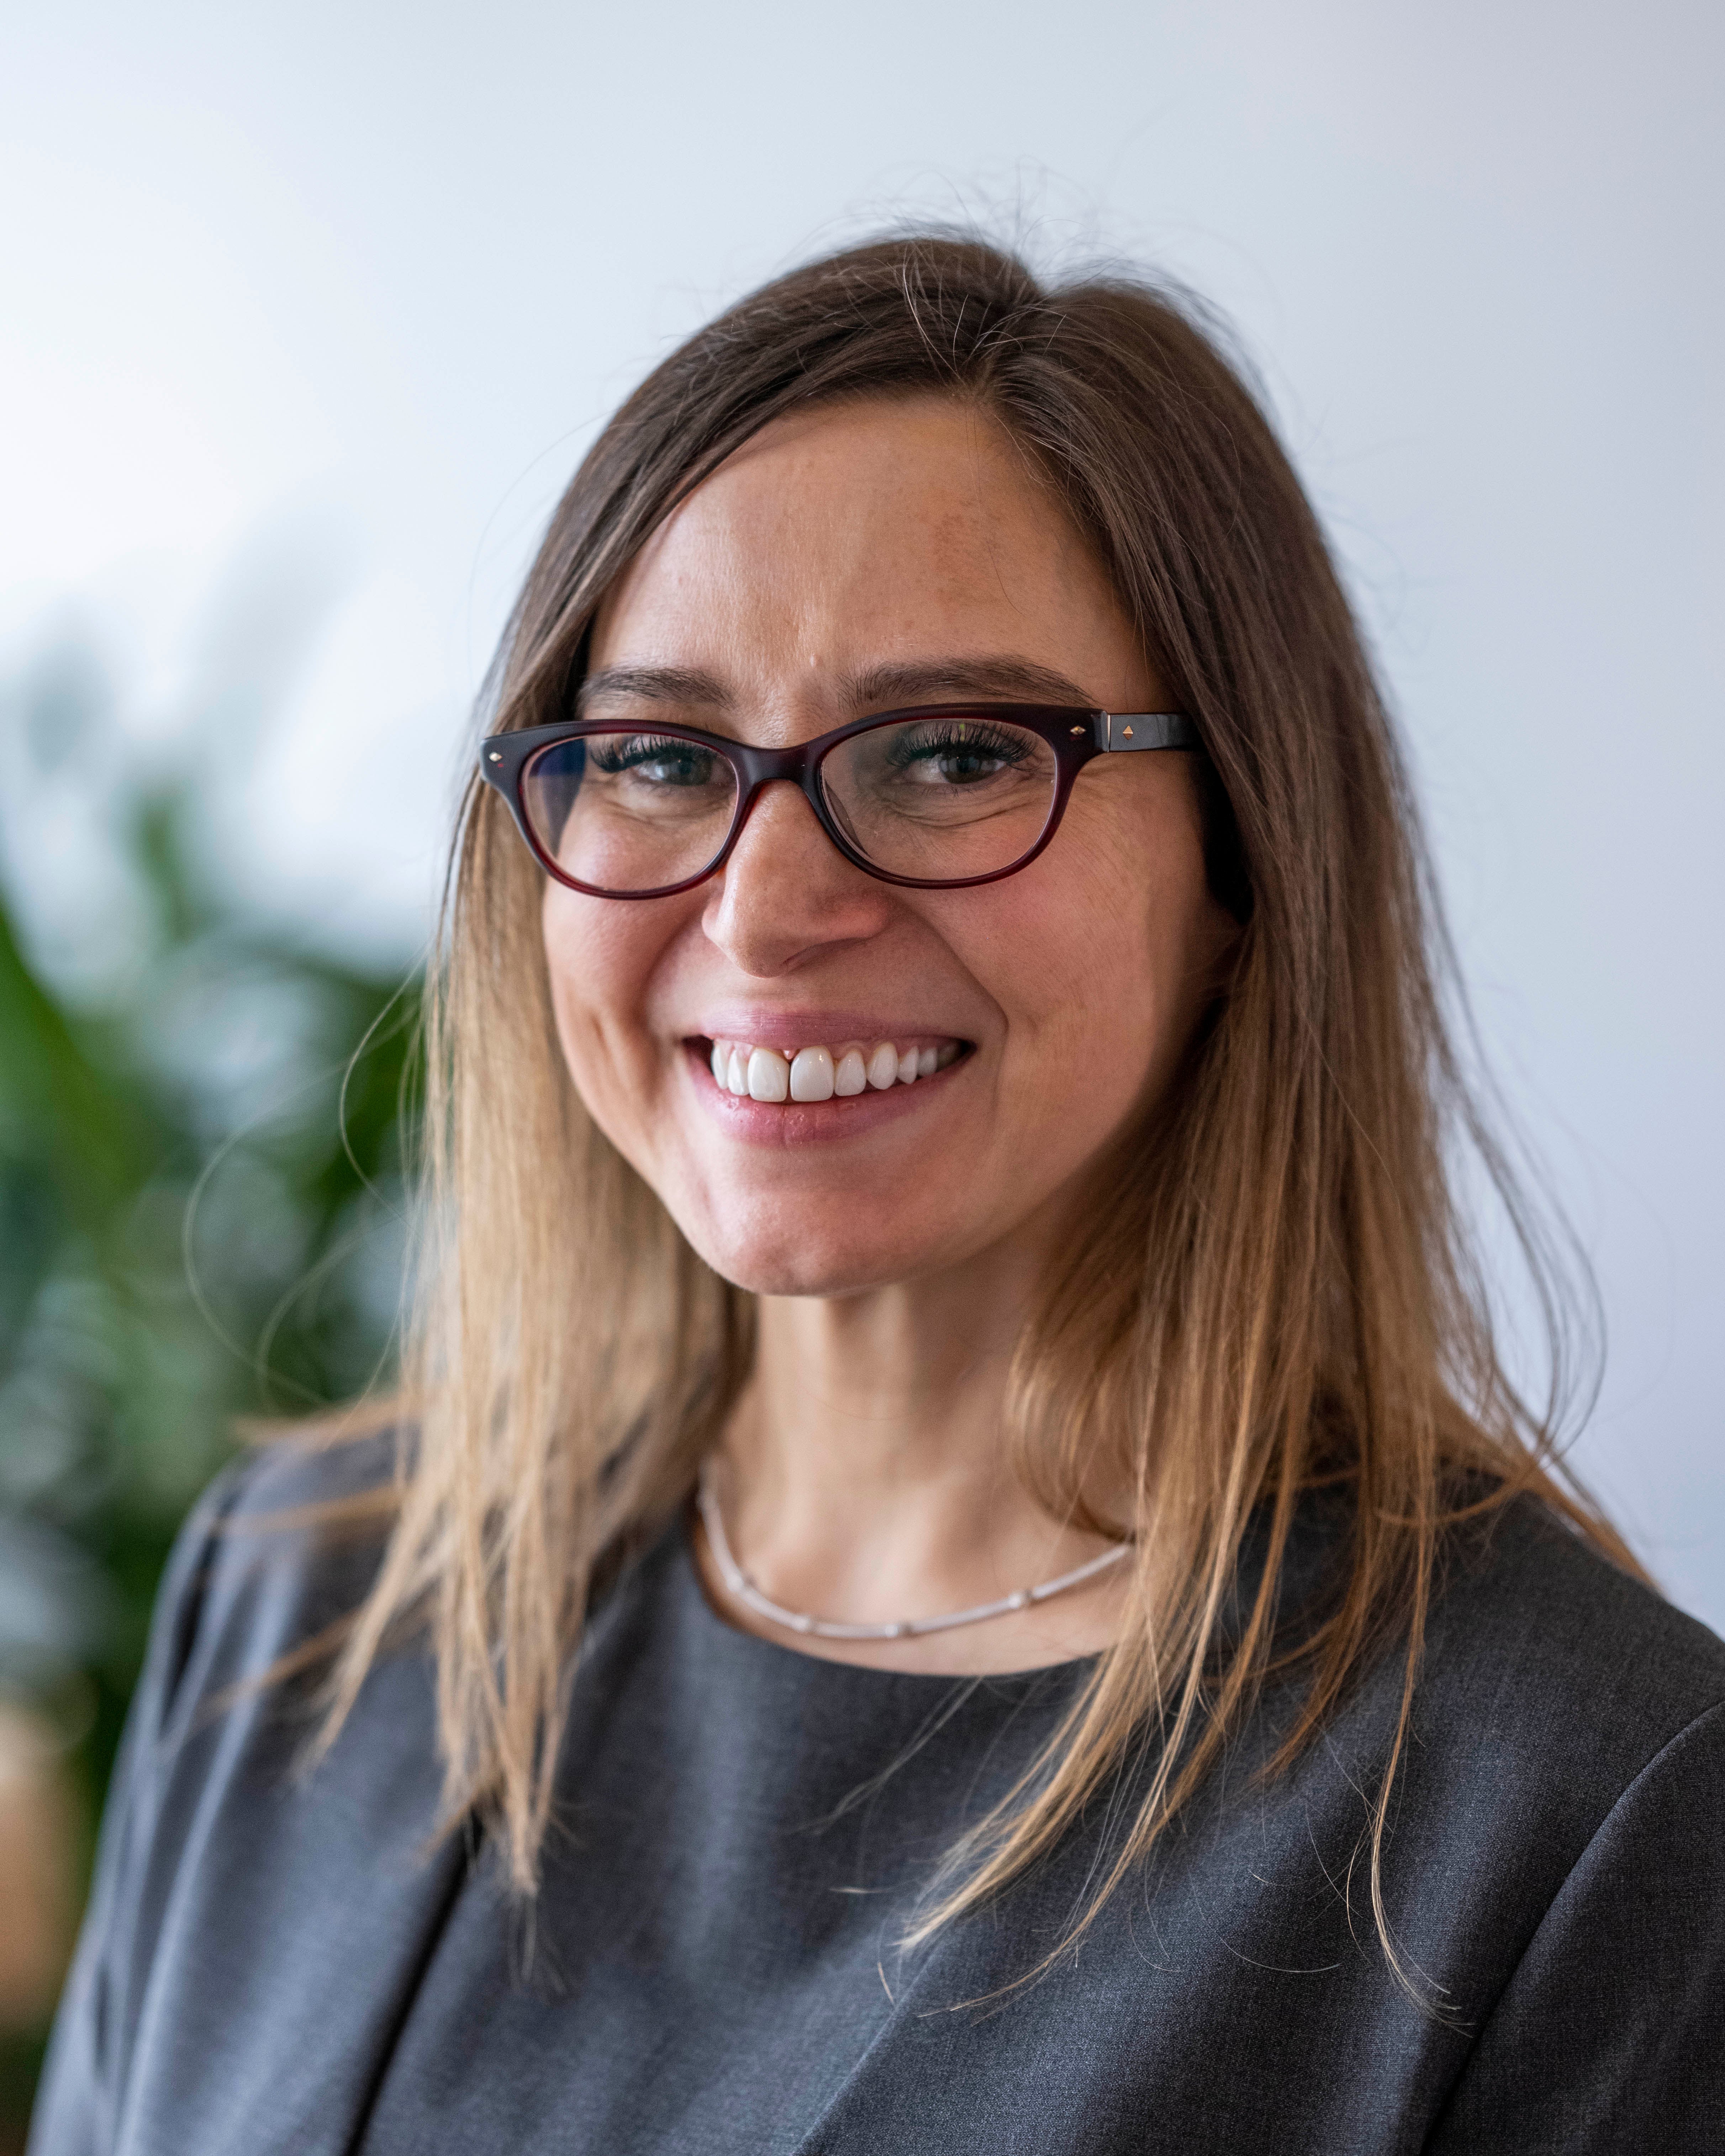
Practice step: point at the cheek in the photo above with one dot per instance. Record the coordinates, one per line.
(601, 957)
(1099, 955)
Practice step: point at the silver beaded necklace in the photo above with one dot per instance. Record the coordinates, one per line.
(743, 1590)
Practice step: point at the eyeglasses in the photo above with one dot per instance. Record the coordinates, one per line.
(935, 798)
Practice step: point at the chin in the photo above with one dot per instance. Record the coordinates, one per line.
(802, 1272)
(788, 1280)
(815, 1258)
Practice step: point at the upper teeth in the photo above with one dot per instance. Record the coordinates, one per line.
(816, 1074)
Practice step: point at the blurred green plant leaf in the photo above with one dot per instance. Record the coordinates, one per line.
(202, 1177)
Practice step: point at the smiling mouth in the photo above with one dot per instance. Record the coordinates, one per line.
(824, 1072)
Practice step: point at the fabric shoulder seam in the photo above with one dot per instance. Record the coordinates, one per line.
(1649, 1766)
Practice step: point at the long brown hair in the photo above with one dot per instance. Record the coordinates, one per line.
(1279, 1288)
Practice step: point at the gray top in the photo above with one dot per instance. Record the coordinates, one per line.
(273, 1964)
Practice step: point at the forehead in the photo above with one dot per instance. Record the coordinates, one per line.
(859, 532)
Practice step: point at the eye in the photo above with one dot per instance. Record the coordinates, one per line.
(659, 759)
(960, 752)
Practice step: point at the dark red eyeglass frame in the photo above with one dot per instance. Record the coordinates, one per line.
(1074, 734)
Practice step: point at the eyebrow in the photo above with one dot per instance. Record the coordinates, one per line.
(917, 682)
(654, 685)
(874, 688)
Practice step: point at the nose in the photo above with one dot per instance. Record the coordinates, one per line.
(786, 893)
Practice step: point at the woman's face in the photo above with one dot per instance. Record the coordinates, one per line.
(867, 557)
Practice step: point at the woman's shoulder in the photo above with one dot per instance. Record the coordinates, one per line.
(1566, 1778)
(231, 1889)
(1530, 1613)
(1555, 1693)
(282, 1545)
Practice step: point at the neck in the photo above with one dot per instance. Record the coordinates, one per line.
(866, 1476)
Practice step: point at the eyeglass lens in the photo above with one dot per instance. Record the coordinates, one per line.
(938, 800)
(629, 811)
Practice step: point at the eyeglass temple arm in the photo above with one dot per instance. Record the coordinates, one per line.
(1119, 733)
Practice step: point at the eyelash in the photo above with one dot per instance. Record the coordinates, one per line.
(642, 748)
(939, 740)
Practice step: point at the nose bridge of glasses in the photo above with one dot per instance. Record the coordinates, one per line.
(785, 841)
(762, 766)
(759, 768)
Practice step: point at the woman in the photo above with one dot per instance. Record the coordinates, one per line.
(962, 1572)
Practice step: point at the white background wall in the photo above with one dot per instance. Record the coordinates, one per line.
(306, 313)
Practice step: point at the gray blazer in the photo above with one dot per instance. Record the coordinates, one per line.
(281, 1964)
